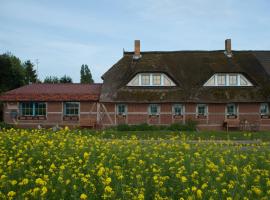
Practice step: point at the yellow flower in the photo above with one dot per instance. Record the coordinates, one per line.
(204, 185)
(256, 190)
(25, 181)
(108, 189)
(193, 188)
(141, 196)
(199, 193)
(108, 181)
(44, 190)
(183, 179)
(40, 181)
(83, 196)
(11, 194)
(101, 171)
(10, 162)
(13, 182)
(62, 167)
(86, 155)
(53, 166)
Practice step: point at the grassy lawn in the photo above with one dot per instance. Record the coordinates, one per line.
(189, 135)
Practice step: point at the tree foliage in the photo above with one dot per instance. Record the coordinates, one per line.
(30, 72)
(51, 79)
(55, 79)
(65, 79)
(86, 76)
(12, 72)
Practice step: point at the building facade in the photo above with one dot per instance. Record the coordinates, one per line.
(159, 88)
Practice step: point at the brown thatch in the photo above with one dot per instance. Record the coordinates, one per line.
(190, 70)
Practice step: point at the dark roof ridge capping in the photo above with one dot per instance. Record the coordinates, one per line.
(192, 51)
(54, 92)
(190, 69)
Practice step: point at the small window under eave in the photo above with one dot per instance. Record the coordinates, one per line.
(229, 79)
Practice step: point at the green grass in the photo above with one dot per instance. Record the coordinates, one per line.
(189, 135)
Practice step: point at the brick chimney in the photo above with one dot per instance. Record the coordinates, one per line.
(228, 48)
(137, 50)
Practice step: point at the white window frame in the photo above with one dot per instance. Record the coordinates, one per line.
(33, 104)
(235, 110)
(227, 80)
(125, 107)
(182, 109)
(267, 112)
(150, 112)
(162, 77)
(64, 108)
(206, 109)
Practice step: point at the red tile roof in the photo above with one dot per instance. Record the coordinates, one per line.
(54, 92)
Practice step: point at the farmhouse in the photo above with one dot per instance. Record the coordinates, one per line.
(215, 88)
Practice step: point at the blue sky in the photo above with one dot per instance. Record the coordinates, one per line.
(64, 34)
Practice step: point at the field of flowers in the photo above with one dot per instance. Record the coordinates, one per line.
(42, 164)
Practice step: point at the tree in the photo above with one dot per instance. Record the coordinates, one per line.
(51, 79)
(12, 72)
(66, 79)
(30, 72)
(86, 76)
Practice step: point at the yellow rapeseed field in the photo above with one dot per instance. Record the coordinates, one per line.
(68, 164)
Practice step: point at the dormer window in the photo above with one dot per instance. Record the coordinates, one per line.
(232, 79)
(151, 79)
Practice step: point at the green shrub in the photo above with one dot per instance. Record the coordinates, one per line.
(123, 127)
(5, 125)
(188, 126)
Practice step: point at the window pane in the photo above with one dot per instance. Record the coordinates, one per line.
(153, 109)
(233, 79)
(26, 109)
(145, 79)
(264, 109)
(231, 109)
(156, 79)
(202, 109)
(177, 109)
(121, 108)
(221, 80)
(40, 108)
(71, 108)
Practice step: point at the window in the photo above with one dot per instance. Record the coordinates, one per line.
(201, 109)
(264, 109)
(71, 108)
(177, 109)
(221, 79)
(156, 79)
(230, 79)
(145, 79)
(121, 109)
(153, 109)
(231, 109)
(151, 79)
(32, 108)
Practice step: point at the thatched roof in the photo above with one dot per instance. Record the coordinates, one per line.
(189, 70)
